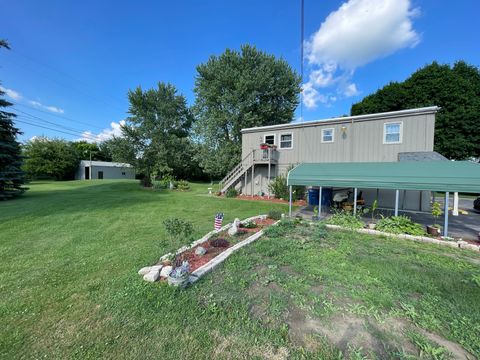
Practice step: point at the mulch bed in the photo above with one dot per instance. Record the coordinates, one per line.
(197, 261)
(271, 199)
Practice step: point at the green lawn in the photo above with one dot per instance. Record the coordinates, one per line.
(69, 286)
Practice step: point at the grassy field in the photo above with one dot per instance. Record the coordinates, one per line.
(69, 288)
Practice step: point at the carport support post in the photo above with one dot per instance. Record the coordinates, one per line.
(445, 225)
(290, 202)
(397, 195)
(355, 201)
(319, 202)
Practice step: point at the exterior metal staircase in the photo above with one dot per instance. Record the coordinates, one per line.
(268, 157)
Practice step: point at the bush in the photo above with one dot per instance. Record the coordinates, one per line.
(346, 219)
(220, 242)
(282, 228)
(400, 225)
(274, 214)
(231, 192)
(279, 188)
(182, 185)
(178, 229)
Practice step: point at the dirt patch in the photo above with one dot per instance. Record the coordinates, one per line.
(231, 347)
(344, 331)
(260, 305)
(456, 350)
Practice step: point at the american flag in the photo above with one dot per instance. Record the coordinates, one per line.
(218, 221)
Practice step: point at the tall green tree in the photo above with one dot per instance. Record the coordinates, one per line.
(158, 132)
(236, 90)
(50, 158)
(455, 89)
(96, 151)
(12, 177)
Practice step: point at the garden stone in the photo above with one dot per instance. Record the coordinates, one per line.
(234, 228)
(200, 251)
(165, 271)
(156, 268)
(144, 270)
(152, 276)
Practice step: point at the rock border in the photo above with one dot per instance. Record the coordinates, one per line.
(460, 244)
(153, 273)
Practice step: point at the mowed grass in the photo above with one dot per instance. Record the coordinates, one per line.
(69, 286)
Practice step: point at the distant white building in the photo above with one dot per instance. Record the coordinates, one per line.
(104, 170)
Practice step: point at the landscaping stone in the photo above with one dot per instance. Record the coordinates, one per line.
(156, 268)
(165, 271)
(200, 251)
(234, 229)
(144, 270)
(152, 276)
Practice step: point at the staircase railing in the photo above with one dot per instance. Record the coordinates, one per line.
(238, 170)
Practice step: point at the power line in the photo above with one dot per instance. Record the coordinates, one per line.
(56, 130)
(47, 121)
(57, 115)
(85, 93)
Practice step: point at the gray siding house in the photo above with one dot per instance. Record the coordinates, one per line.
(104, 170)
(269, 151)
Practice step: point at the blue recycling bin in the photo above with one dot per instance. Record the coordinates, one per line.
(313, 197)
(327, 197)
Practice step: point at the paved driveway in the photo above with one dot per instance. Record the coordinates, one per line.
(461, 226)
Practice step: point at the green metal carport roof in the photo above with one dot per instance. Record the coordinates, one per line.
(453, 176)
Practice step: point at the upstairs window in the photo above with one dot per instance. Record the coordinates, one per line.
(269, 139)
(392, 133)
(327, 135)
(286, 141)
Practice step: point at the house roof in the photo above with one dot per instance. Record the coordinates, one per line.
(421, 156)
(105, 164)
(346, 119)
(454, 176)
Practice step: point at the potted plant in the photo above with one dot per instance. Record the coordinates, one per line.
(372, 224)
(179, 275)
(315, 213)
(436, 212)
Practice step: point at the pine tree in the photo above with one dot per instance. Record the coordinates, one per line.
(11, 175)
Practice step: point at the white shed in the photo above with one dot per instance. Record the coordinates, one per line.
(104, 170)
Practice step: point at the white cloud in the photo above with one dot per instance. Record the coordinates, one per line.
(114, 130)
(357, 33)
(12, 94)
(53, 109)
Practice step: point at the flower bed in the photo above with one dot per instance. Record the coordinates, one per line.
(212, 249)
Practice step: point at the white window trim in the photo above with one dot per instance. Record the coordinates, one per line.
(333, 136)
(280, 141)
(274, 138)
(400, 138)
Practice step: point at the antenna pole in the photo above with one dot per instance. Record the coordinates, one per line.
(302, 33)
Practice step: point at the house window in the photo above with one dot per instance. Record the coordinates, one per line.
(123, 173)
(392, 133)
(286, 141)
(269, 139)
(327, 135)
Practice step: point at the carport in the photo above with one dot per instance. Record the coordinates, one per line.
(440, 176)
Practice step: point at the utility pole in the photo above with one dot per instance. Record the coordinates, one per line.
(91, 170)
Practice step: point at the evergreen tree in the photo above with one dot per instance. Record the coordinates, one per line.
(11, 176)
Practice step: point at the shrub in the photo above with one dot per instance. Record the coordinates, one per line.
(250, 224)
(436, 212)
(178, 228)
(281, 229)
(274, 214)
(182, 185)
(400, 225)
(220, 242)
(231, 192)
(279, 188)
(157, 185)
(345, 219)
(320, 231)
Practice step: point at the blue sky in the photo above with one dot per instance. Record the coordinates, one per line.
(72, 63)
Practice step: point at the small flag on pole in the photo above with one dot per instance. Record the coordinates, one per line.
(218, 221)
